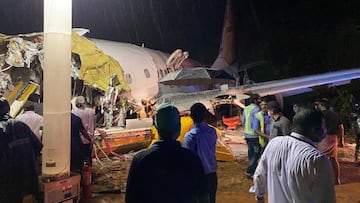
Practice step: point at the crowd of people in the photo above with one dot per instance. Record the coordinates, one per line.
(290, 160)
(293, 161)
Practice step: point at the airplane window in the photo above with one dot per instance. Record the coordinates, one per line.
(128, 78)
(147, 73)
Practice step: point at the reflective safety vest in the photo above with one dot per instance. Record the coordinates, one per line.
(247, 127)
(259, 115)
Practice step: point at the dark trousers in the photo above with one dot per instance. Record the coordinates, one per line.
(87, 152)
(254, 153)
(210, 188)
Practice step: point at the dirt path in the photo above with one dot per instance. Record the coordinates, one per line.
(233, 186)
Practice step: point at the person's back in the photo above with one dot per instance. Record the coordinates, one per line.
(332, 121)
(292, 163)
(165, 173)
(201, 140)
(32, 119)
(292, 169)
(77, 155)
(18, 158)
(88, 119)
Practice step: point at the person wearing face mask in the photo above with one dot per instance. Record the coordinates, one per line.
(292, 169)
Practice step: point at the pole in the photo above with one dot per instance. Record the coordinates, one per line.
(57, 89)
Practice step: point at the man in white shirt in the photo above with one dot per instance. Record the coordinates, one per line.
(31, 119)
(292, 169)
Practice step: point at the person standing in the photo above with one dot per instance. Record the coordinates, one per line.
(355, 122)
(280, 125)
(262, 124)
(32, 119)
(77, 155)
(88, 119)
(201, 139)
(166, 172)
(252, 139)
(19, 151)
(329, 145)
(292, 169)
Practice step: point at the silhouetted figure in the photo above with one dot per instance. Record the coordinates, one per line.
(166, 172)
(78, 155)
(19, 151)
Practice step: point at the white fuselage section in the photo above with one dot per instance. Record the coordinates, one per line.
(140, 66)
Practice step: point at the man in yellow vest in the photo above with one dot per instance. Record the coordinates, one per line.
(252, 139)
(262, 124)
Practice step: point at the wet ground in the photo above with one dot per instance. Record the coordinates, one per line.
(233, 186)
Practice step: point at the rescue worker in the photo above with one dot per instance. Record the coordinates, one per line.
(252, 139)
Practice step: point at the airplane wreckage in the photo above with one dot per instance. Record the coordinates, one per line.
(123, 124)
(121, 97)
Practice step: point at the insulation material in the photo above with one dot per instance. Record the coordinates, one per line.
(97, 67)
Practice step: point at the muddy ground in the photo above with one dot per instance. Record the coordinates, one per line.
(233, 186)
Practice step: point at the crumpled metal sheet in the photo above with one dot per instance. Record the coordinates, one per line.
(21, 52)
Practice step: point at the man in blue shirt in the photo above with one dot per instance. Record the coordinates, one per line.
(252, 139)
(201, 139)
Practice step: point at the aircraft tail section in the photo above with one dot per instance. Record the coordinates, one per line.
(226, 53)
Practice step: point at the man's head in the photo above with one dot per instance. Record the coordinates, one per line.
(255, 99)
(273, 108)
(324, 104)
(167, 121)
(296, 107)
(4, 107)
(263, 105)
(310, 123)
(80, 102)
(198, 112)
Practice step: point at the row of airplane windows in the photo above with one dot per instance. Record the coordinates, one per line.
(160, 73)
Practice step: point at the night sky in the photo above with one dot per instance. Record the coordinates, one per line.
(294, 37)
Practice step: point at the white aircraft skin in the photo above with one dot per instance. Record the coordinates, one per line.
(144, 67)
(140, 68)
